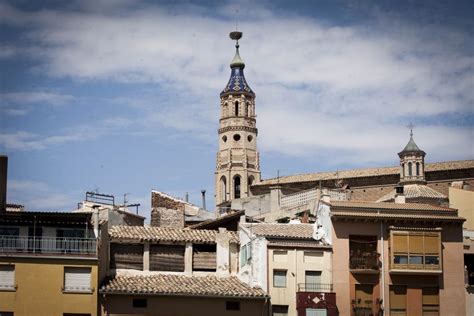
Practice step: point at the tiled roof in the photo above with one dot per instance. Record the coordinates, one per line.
(294, 231)
(148, 233)
(404, 216)
(368, 172)
(296, 243)
(388, 206)
(234, 215)
(413, 191)
(166, 284)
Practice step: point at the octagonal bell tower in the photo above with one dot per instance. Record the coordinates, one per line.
(237, 166)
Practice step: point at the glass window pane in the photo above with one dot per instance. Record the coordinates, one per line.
(434, 260)
(312, 279)
(316, 312)
(279, 278)
(416, 259)
(400, 259)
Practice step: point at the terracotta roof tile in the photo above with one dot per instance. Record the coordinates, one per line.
(413, 191)
(367, 172)
(180, 285)
(148, 233)
(388, 206)
(296, 231)
(397, 216)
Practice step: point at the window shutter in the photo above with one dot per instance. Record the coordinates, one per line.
(398, 297)
(400, 243)
(416, 243)
(432, 243)
(7, 277)
(430, 296)
(77, 279)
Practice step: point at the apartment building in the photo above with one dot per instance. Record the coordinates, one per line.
(48, 264)
(397, 258)
(176, 271)
(291, 265)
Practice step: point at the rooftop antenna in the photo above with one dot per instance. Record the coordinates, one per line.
(411, 126)
(125, 201)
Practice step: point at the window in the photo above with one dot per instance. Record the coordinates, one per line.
(236, 108)
(167, 258)
(403, 170)
(224, 138)
(316, 312)
(232, 306)
(313, 281)
(415, 250)
(77, 279)
(139, 303)
(10, 231)
(398, 300)
(126, 256)
(237, 187)
(280, 256)
(410, 173)
(223, 184)
(430, 301)
(245, 254)
(204, 257)
(7, 277)
(249, 138)
(363, 253)
(236, 137)
(417, 168)
(279, 310)
(6, 313)
(279, 278)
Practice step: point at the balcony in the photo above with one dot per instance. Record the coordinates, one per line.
(22, 245)
(315, 287)
(366, 264)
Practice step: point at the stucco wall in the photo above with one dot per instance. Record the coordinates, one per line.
(463, 201)
(295, 265)
(39, 289)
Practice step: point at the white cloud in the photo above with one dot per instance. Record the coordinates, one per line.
(319, 87)
(41, 97)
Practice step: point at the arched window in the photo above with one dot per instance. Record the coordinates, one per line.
(249, 109)
(223, 185)
(403, 170)
(237, 187)
(417, 168)
(236, 108)
(410, 172)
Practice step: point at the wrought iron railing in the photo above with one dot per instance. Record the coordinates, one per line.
(364, 263)
(47, 245)
(315, 287)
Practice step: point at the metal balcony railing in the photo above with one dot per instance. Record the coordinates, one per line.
(364, 263)
(47, 245)
(315, 287)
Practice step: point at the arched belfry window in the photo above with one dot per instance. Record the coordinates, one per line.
(236, 108)
(237, 187)
(403, 170)
(417, 168)
(223, 185)
(410, 172)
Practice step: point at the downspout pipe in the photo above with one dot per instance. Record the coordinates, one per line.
(382, 256)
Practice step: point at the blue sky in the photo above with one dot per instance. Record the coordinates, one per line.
(123, 96)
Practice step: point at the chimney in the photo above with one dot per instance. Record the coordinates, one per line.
(186, 197)
(3, 183)
(399, 195)
(203, 192)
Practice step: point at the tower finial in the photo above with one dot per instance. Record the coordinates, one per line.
(411, 126)
(237, 61)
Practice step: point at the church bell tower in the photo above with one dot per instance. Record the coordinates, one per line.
(237, 166)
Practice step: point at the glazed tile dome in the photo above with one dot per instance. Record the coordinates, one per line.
(237, 83)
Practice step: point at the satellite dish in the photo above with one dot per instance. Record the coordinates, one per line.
(236, 35)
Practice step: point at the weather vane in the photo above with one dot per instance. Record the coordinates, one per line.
(411, 126)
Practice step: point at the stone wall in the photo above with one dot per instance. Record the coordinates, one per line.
(165, 217)
(166, 211)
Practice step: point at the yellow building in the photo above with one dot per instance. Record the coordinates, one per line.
(48, 264)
